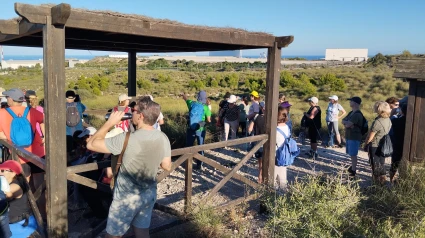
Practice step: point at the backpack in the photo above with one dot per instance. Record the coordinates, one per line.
(124, 125)
(364, 128)
(21, 133)
(195, 115)
(385, 146)
(72, 115)
(286, 153)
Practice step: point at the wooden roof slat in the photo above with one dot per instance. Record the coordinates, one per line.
(108, 23)
(60, 14)
(410, 69)
(284, 41)
(9, 27)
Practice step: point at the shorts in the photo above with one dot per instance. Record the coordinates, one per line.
(352, 147)
(130, 209)
(30, 168)
(312, 134)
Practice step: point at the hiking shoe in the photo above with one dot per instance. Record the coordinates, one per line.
(351, 172)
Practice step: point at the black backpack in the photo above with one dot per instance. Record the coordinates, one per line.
(72, 115)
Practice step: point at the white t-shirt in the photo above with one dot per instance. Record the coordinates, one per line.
(279, 137)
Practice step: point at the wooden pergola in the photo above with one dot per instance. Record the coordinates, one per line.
(56, 28)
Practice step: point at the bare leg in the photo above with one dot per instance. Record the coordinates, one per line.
(338, 139)
(110, 236)
(314, 146)
(141, 232)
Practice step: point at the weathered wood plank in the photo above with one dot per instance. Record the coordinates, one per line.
(88, 167)
(9, 27)
(39, 162)
(60, 14)
(410, 68)
(219, 185)
(33, 13)
(89, 183)
(132, 74)
(409, 120)
(54, 97)
(225, 170)
(272, 96)
(127, 25)
(196, 149)
(188, 186)
(175, 165)
(284, 41)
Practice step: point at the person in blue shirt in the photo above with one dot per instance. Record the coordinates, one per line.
(70, 130)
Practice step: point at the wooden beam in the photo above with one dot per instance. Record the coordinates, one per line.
(284, 41)
(89, 183)
(219, 185)
(132, 74)
(196, 149)
(235, 202)
(410, 69)
(60, 14)
(129, 25)
(33, 13)
(225, 170)
(188, 186)
(54, 97)
(9, 27)
(39, 162)
(176, 164)
(272, 96)
(88, 167)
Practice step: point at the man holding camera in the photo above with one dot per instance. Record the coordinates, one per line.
(135, 188)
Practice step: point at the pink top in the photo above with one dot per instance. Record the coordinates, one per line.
(40, 109)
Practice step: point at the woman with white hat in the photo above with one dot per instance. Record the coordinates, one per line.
(230, 113)
(332, 117)
(314, 123)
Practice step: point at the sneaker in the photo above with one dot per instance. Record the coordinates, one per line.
(351, 172)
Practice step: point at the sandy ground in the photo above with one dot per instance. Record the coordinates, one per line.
(331, 161)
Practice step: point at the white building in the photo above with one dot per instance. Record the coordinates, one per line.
(232, 53)
(118, 56)
(357, 55)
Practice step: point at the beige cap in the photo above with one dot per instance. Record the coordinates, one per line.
(123, 97)
(314, 100)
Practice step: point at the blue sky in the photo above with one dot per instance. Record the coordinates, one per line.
(387, 26)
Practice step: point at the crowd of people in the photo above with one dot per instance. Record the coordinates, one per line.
(132, 140)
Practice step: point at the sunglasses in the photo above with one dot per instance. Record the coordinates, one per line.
(5, 170)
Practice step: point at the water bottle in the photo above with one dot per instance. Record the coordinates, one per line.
(125, 117)
(5, 187)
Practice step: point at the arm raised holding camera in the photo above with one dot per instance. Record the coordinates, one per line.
(97, 141)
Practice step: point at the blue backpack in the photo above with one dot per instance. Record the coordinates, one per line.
(195, 115)
(21, 132)
(285, 154)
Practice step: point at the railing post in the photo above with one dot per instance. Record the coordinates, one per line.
(188, 186)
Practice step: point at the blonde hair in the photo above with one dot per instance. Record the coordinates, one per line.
(382, 109)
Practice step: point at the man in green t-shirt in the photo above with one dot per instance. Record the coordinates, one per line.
(198, 134)
(353, 123)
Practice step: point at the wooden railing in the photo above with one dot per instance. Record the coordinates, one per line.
(15, 153)
(186, 155)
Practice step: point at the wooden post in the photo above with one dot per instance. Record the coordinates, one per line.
(54, 118)
(132, 74)
(188, 186)
(272, 94)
